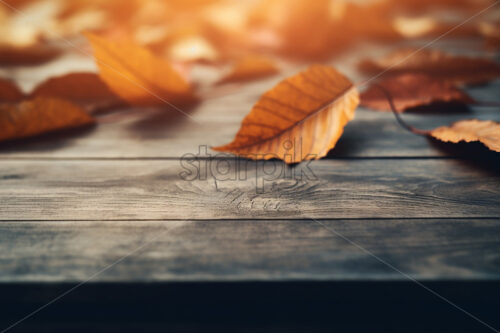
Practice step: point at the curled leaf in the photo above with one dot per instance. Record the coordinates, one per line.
(487, 132)
(9, 92)
(301, 118)
(250, 68)
(84, 89)
(458, 69)
(40, 115)
(137, 75)
(412, 90)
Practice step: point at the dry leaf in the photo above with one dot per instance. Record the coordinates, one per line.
(250, 68)
(485, 131)
(138, 76)
(458, 69)
(301, 118)
(9, 92)
(84, 89)
(39, 116)
(412, 90)
(27, 55)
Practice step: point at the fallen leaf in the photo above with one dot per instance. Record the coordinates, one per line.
(250, 68)
(137, 75)
(27, 55)
(301, 118)
(9, 92)
(412, 90)
(40, 115)
(458, 69)
(485, 131)
(85, 89)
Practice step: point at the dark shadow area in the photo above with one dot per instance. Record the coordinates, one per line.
(161, 119)
(48, 141)
(440, 108)
(346, 306)
(474, 154)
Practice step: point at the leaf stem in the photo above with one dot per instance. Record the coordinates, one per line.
(400, 120)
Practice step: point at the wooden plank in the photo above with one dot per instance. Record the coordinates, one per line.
(165, 189)
(249, 250)
(153, 133)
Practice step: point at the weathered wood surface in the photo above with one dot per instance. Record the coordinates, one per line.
(154, 189)
(72, 204)
(236, 250)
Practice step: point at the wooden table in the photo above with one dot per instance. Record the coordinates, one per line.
(390, 227)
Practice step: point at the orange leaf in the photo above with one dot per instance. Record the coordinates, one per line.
(249, 68)
(458, 69)
(9, 92)
(485, 131)
(138, 76)
(412, 90)
(84, 89)
(301, 118)
(39, 116)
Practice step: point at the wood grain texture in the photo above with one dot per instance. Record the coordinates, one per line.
(248, 250)
(158, 189)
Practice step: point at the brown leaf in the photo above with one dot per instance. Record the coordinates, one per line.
(9, 92)
(458, 69)
(84, 89)
(412, 90)
(138, 76)
(32, 55)
(301, 118)
(485, 131)
(39, 116)
(250, 68)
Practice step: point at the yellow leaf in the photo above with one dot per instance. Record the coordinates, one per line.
(137, 75)
(301, 118)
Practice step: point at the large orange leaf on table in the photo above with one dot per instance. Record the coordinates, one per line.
(84, 89)
(301, 118)
(487, 132)
(137, 75)
(412, 90)
(457, 69)
(38, 116)
(9, 92)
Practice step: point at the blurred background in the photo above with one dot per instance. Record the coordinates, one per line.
(218, 32)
